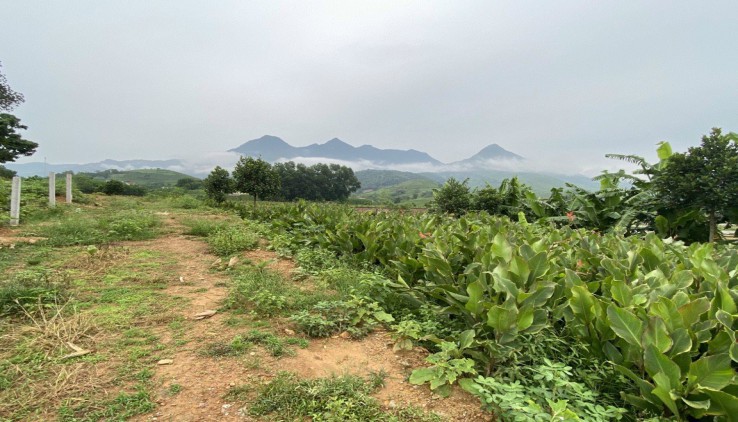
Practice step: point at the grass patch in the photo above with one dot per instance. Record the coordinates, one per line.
(276, 346)
(268, 294)
(31, 287)
(231, 239)
(203, 227)
(88, 229)
(345, 398)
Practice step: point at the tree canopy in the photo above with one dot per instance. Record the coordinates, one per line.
(256, 177)
(703, 178)
(319, 182)
(12, 145)
(8, 98)
(218, 184)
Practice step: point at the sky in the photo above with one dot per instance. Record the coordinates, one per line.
(559, 82)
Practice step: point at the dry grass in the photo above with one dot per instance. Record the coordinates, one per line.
(51, 330)
(49, 337)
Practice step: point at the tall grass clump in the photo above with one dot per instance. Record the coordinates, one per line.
(27, 288)
(83, 229)
(229, 240)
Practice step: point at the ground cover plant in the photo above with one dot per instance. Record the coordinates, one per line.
(659, 314)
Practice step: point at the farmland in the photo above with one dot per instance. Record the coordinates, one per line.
(449, 316)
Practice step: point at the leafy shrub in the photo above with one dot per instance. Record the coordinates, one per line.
(357, 316)
(447, 366)
(542, 393)
(229, 240)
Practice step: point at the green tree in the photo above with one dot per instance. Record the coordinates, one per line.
(12, 145)
(218, 184)
(256, 177)
(703, 178)
(453, 197)
(8, 98)
(189, 183)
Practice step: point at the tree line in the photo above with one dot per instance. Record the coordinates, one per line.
(282, 181)
(683, 196)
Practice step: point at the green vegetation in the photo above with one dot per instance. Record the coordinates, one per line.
(228, 240)
(256, 177)
(319, 182)
(415, 192)
(145, 178)
(659, 316)
(345, 398)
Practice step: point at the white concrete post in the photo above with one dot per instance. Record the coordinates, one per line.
(15, 201)
(69, 188)
(52, 189)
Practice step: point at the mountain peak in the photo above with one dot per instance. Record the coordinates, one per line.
(495, 152)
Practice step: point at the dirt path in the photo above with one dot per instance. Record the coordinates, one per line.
(201, 382)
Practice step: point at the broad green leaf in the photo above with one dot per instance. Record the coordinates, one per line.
(656, 362)
(682, 342)
(582, 303)
(501, 248)
(626, 325)
(662, 392)
(538, 266)
(724, 318)
(519, 270)
(423, 375)
(466, 338)
(695, 404)
(664, 150)
(692, 311)
(502, 318)
(525, 319)
(657, 335)
(539, 297)
(728, 403)
(476, 292)
(710, 373)
(665, 309)
(621, 293)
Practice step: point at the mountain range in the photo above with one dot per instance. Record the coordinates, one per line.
(490, 165)
(271, 148)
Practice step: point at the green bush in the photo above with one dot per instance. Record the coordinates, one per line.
(229, 240)
(357, 316)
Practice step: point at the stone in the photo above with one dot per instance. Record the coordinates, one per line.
(165, 362)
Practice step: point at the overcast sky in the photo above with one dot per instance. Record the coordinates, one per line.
(563, 81)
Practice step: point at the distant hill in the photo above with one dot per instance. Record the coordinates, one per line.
(271, 148)
(150, 178)
(541, 183)
(376, 179)
(43, 169)
(489, 154)
(415, 192)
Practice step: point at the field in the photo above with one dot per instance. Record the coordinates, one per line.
(163, 307)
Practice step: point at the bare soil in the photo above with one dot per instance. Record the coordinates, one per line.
(205, 380)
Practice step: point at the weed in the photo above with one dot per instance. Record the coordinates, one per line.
(345, 398)
(357, 316)
(238, 393)
(203, 227)
(27, 288)
(175, 389)
(88, 230)
(230, 239)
